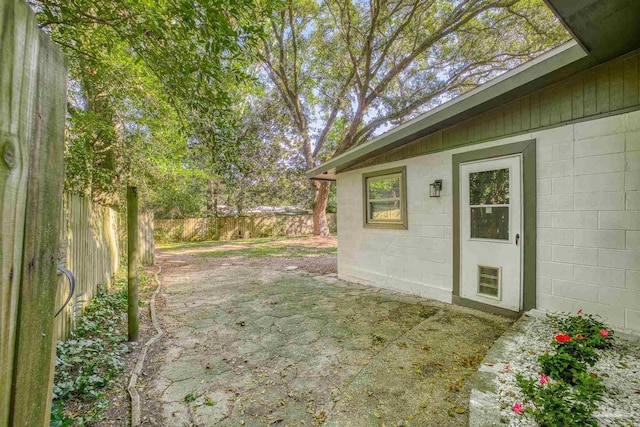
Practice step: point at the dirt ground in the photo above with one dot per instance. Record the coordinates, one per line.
(263, 333)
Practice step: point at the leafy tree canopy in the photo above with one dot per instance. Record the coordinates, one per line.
(149, 78)
(347, 70)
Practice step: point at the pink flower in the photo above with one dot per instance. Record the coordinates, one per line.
(517, 407)
(544, 379)
(580, 311)
(507, 367)
(604, 333)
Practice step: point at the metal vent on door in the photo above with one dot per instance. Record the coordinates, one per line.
(489, 281)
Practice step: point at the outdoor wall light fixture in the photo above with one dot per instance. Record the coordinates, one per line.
(435, 188)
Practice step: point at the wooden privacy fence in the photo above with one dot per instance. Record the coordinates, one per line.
(232, 228)
(146, 241)
(89, 249)
(93, 238)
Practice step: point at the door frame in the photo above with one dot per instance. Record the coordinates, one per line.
(529, 201)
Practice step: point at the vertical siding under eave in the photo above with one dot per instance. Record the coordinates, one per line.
(603, 90)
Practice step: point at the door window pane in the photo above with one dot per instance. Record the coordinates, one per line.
(489, 187)
(490, 222)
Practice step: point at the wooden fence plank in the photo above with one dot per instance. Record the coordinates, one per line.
(147, 246)
(18, 75)
(33, 375)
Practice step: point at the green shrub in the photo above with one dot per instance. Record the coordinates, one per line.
(573, 395)
(578, 348)
(559, 404)
(587, 325)
(561, 366)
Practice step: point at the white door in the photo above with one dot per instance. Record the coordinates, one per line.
(491, 232)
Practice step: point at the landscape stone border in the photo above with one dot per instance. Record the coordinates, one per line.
(137, 371)
(484, 402)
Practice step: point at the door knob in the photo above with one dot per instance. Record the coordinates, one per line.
(517, 238)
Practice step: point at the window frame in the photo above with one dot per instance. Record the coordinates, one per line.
(389, 224)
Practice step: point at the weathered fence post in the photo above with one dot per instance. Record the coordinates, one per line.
(32, 117)
(132, 259)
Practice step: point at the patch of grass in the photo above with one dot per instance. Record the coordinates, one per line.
(270, 250)
(191, 397)
(216, 243)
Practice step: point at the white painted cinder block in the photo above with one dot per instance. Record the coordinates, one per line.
(600, 145)
(632, 141)
(633, 200)
(609, 239)
(600, 276)
(588, 178)
(632, 181)
(599, 182)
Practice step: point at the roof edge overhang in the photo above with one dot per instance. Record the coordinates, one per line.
(547, 68)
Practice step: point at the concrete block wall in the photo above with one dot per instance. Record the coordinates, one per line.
(589, 219)
(588, 177)
(418, 260)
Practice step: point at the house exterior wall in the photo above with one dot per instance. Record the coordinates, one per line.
(588, 219)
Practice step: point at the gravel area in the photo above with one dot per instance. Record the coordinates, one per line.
(619, 367)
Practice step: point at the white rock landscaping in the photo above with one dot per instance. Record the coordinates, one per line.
(517, 353)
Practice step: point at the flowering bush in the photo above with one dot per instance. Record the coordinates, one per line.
(593, 331)
(556, 403)
(565, 394)
(561, 366)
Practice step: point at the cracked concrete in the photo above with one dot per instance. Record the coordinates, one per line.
(254, 345)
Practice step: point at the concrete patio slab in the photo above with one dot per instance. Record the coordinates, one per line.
(253, 345)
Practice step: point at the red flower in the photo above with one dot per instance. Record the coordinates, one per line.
(507, 367)
(544, 379)
(517, 407)
(580, 311)
(563, 337)
(604, 333)
(579, 337)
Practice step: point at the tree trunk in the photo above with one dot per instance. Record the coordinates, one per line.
(212, 200)
(320, 197)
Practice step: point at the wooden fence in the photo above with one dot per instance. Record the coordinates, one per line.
(232, 228)
(93, 238)
(146, 244)
(89, 249)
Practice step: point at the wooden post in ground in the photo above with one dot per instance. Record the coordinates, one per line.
(132, 259)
